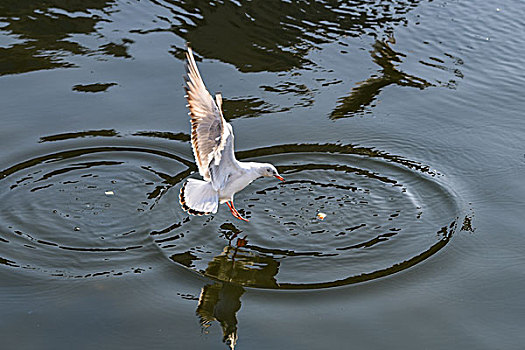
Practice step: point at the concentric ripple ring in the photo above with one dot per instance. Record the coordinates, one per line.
(106, 210)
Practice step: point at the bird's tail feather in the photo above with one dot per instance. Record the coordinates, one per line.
(198, 197)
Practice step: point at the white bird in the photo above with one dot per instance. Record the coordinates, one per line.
(212, 143)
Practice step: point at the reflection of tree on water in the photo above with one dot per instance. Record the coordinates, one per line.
(43, 32)
(221, 300)
(270, 35)
(365, 92)
(275, 35)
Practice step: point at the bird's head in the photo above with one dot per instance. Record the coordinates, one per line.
(269, 170)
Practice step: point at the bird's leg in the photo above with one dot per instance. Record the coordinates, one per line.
(234, 212)
(231, 209)
(238, 214)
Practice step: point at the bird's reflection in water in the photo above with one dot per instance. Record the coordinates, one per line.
(232, 269)
(244, 267)
(220, 302)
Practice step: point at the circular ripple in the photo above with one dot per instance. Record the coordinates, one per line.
(83, 212)
(110, 210)
(383, 214)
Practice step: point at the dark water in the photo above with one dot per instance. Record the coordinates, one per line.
(401, 121)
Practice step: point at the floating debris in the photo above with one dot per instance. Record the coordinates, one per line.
(109, 193)
(321, 216)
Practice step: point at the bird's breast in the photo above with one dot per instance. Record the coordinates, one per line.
(233, 186)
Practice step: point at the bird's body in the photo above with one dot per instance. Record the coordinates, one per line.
(213, 147)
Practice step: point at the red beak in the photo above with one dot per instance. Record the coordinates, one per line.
(279, 177)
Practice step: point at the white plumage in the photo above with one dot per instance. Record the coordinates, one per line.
(212, 143)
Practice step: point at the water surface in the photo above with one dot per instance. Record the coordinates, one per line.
(401, 121)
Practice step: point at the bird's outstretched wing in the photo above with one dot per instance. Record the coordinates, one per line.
(208, 127)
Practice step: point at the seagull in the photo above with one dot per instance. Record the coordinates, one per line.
(212, 143)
